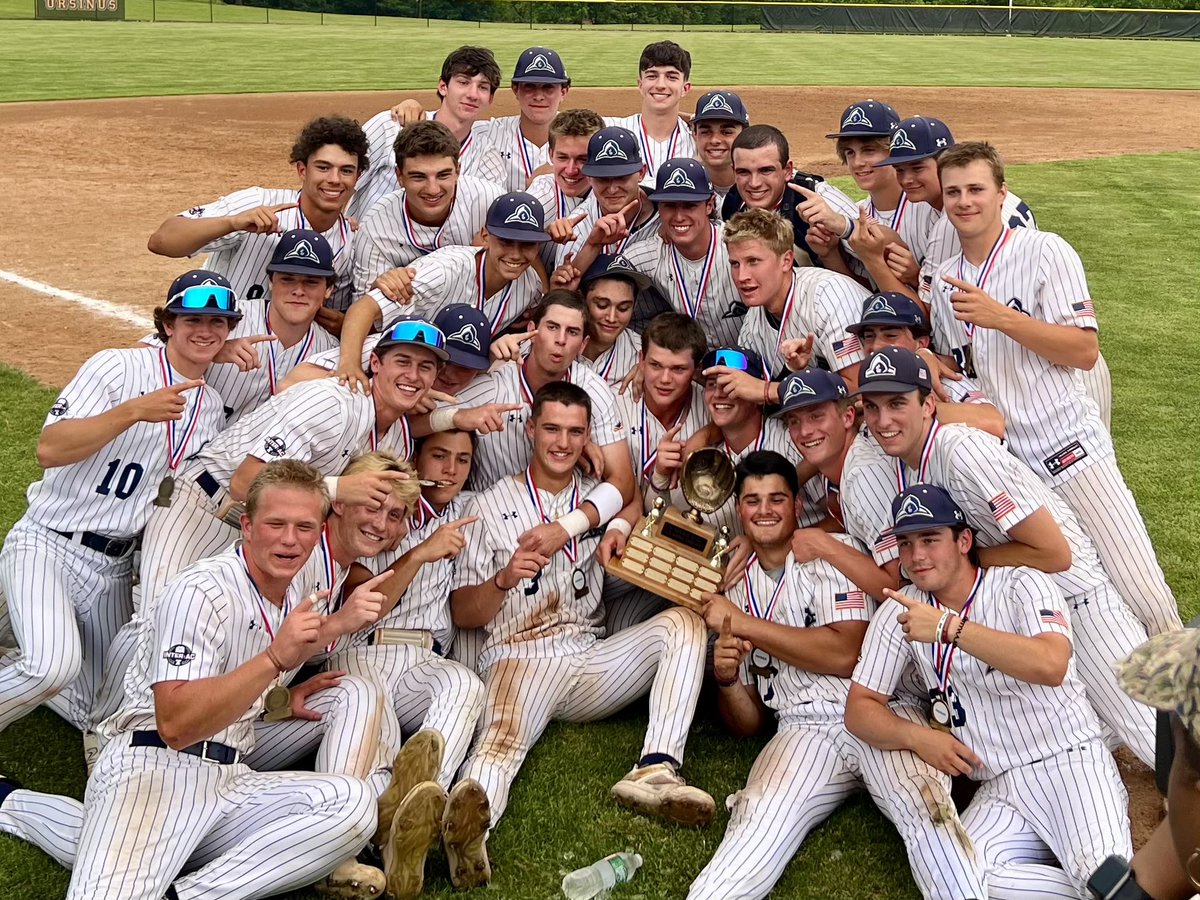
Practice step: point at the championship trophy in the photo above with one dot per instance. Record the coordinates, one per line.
(671, 553)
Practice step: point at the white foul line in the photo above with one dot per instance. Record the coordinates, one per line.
(99, 307)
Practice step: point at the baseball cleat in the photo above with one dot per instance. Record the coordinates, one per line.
(658, 791)
(352, 881)
(464, 834)
(419, 760)
(415, 829)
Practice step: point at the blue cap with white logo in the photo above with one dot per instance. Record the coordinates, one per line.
(302, 252)
(918, 138)
(540, 65)
(867, 118)
(614, 266)
(808, 387)
(922, 507)
(468, 335)
(890, 308)
(613, 152)
(894, 370)
(517, 216)
(723, 106)
(681, 180)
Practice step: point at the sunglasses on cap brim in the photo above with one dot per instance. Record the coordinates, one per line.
(415, 333)
(731, 359)
(204, 296)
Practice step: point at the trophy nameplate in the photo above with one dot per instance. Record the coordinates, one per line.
(673, 554)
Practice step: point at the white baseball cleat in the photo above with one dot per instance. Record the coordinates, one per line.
(415, 830)
(352, 880)
(419, 760)
(464, 834)
(658, 791)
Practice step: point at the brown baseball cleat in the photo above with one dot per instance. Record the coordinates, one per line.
(415, 829)
(464, 834)
(352, 880)
(419, 760)
(658, 791)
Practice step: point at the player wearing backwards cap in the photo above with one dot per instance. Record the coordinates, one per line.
(1015, 309)
(1018, 520)
(610, 288)
(545, 657)
(240, 230)
(719, 118)
(993, 645)
(466, 88)
(789, 632)
(110, 445)
(435, 206)
(664, 70)
(766, 179)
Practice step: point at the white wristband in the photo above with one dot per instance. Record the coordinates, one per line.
(442, 419)
(574, 523)
(331, 485)
(941, 628)
(849, 229)
(607, 499)
(620, 525)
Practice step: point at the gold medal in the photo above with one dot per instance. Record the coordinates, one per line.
(166, 489)
(278, 704)
(940, 710)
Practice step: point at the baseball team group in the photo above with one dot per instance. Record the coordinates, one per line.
(313, 566)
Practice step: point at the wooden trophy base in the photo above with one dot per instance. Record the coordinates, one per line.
(672, 561)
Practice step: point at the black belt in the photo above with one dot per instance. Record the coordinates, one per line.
(98, 542)
(209, 751)
(208, 484)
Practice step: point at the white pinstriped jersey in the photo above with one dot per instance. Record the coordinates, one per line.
(111, 491)
(1006, 721)
(701, 288)
(209, 620)
(322, 423)
(380, 178)
(819, 302)
(555, 204)
(614, 363)
(869, 476)
(455, 275)
(805, 595)
(242, 257)
(544, 616)
(1050, 421)
(390, 237)
(643, 431)
(646, 231)
(941, 243)
(508, 452)
(655, 152)
(912, 221)
(505, 156)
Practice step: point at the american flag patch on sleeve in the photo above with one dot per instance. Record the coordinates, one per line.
(847, 347)
(1054, 617)
(1084, 308)
(1002, 505)
(850, 600)
(885, 541)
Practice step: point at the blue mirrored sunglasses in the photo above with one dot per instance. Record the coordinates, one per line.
(732, 359)
(413, 332)
(204, 296)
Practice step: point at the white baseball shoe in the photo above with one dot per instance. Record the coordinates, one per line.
(419, 760)
(464, 834)
(352, 880)
(415, 830)
(658, 791)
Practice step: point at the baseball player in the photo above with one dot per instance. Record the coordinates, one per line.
(545, 657)
(239, 231)
(566, 186)
(993, 646)
(497, 278)
(1017, 518)
(719, 118)
(466, 87)
(765, 178)
(110, 445)
(664, 70)
(789, 635)
(1027, 350)
(610, 288)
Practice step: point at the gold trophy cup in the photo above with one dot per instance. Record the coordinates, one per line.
(671, 553)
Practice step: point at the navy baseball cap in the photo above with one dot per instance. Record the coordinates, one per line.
(924, 506)
(723, 106)
(468, 335)
(808, 387)
(867, 118)
(540, 65)
(894, 370)
(415, 331)
(613, 152)
(734, 358)
(682, 180)
(918, 138)
(302, 252)
(890, 308)
(614, 266)
(517, 216)
(202, 292)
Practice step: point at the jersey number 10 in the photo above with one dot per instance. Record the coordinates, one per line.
(126, 484)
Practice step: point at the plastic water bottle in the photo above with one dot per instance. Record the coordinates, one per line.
(600, 876)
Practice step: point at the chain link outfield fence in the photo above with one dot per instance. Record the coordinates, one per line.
(1049, 17)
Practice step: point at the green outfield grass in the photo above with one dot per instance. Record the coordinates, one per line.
(1142, 257)
(59, 60)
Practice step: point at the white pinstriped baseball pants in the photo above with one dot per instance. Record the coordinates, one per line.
(1108, 512)
(664, 656)
(1097, 382)
(62, 605)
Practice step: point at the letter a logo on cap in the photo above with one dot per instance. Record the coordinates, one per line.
(620, 262)
(879, 367)
(466, 335)
(717, 103)
(522, 216)
(611, 150)
(304, 252)
(540, 64)
(796, 387)
(679, 178)
(856, 117)
(913, 507)
(880, 305)
(901, 139)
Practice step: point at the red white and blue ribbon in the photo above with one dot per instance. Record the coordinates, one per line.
(481, 294)
(644, 139)
(926, 454)
(788, 303)
(985, 271)
(758, 442)
(526, 160)
(176, 449)
(424, 514)
(692, 305)
(261, 600)
(343, 228)
(650, 456)
(752, 598)
(943, 654)
(572, 547)
(305, 347)
(410, 229)
(897, 214)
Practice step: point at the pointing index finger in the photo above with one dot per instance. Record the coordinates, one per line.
(282, 206)
(463, 522)
(187, 385)
(804, 192)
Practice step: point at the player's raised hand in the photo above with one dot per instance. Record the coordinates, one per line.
(350, 373)
(396, 284)
(945, 752)
(261, 219)
(545, 539)
(299, 637)
(737, 556)
(798, 352)
(563, 230)
(331, 320)
(821, 241)
(592, 461)
(975, 305)
(615, 226)
(611, 545)
(868, 240)
(510, 347)
(633, 382)
(485, 419)
(523, 564)
(164, 405)
(368, 488)
(567, 275)
(406, 112)
(728, 652)
(305, 689)
(364, 605)
(815, 210)
(670, 456)
(919, 619)
(447, 542)
(738, 385)
(902, 262)
(241, 351)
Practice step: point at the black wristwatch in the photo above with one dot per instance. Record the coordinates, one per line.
(1114, 880)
